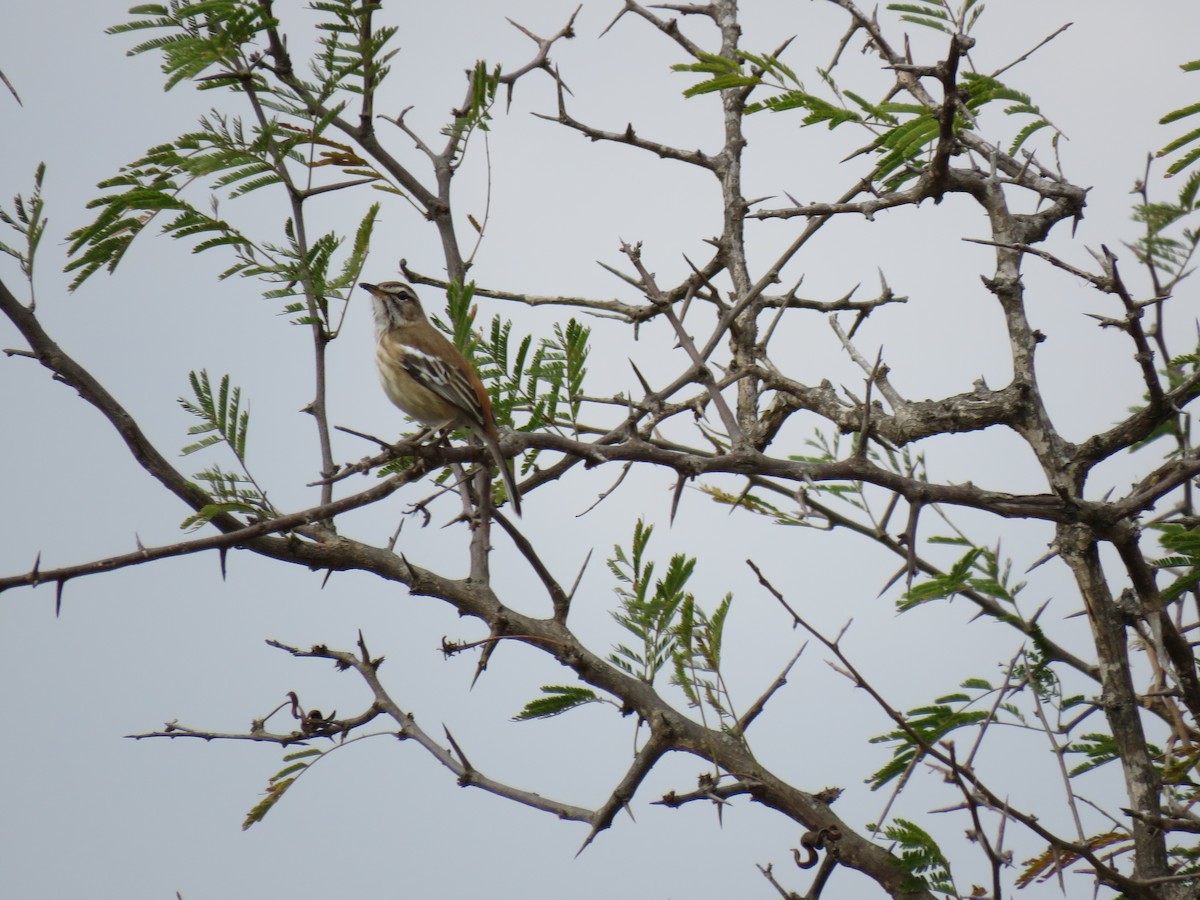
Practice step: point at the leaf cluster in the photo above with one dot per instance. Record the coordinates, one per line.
(939, 15)
(917, 128)
(1191, 139)
(226, 155)
(1177, 768)
(903, 131)
(27, 219)
(223, 421)
(1163, 245)
(922, 858)
(697, 657)
(154, 185)
(649, 607)
(668, 626)
(485, 84)
(1184, 543)
(979, 569)
(1054, 859)
(556, 699)
(313, 274)
(279, 783)
(353, 53)
(199, 36)
(926, 725)
(748, 71)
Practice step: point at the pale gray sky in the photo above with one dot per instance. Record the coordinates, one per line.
(86, 813)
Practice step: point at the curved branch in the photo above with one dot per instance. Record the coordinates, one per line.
(69, 372)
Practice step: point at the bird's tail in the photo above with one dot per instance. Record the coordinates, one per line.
(506, 472)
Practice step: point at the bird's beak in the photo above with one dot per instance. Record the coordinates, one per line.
(370, 288)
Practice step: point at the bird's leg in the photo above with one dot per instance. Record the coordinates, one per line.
(462, 481)
(423, 435)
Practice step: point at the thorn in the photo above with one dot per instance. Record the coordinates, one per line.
(33, 573)
(858, 320)
(221, 554)
(481, 666)
(883, 590)
(579, 577)
(591, 836)
(466, 763)
(1037, 614)
(741, 497)
(614, 21)
(325, 581)
(58, 594)
(675, 499)
(1053, 552)
(362, 648)
(837, 640)
(645, 384)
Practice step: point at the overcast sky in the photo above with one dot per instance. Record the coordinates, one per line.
(87, 813)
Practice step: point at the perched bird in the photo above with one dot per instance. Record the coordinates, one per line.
(427, 377)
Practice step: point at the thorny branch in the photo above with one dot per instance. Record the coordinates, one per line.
(945, 756)
(628, 430)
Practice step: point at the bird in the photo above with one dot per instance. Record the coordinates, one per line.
(427, 377)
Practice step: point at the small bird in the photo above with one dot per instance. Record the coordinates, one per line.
(427, 377)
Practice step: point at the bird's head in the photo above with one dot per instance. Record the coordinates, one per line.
(396, 305)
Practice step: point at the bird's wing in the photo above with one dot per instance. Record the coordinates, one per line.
(447, 381)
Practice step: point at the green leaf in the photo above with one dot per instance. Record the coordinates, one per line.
(819, 110)
(222, 420)
(726, 74)
(649, 609)
(1185, 161)
(27, 219)
(208, 512)
(928, 725)
(154, 185)
(1100, 749)
(978, 570)
(1181, 113)
(1024, 134)
(721, 83)
(352, 266)
(199, 36)
(221, 413)
(303, 754)
(921, 857)
(279, 783)
(476, 114)
(273, 795)
(557, 700)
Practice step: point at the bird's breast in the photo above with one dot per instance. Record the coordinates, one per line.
(405, 391)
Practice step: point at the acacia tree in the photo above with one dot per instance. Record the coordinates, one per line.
(303, 131)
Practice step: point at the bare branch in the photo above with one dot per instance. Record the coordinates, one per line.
(409, 730)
